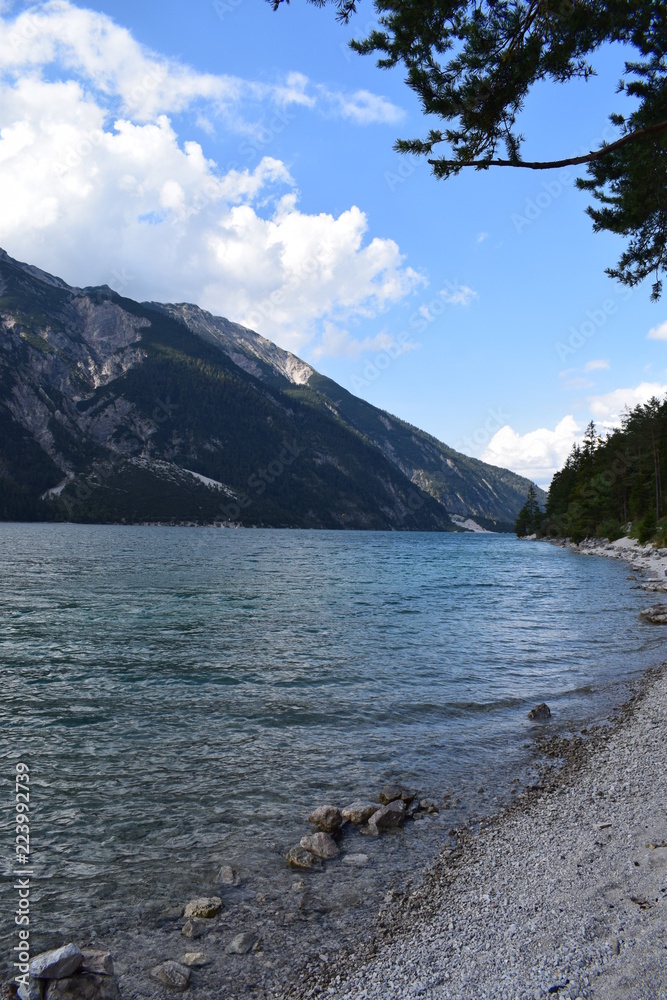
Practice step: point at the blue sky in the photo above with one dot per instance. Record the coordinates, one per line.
(242, 159)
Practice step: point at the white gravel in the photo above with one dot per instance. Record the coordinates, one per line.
(564, 895)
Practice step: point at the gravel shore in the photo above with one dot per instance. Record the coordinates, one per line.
(564, 894)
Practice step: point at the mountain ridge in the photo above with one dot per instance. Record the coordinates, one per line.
(115, 410)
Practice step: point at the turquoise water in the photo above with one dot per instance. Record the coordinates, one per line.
(184, 697)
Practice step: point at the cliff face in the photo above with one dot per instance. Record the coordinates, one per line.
(116, 410)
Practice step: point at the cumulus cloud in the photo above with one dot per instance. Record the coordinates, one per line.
(608, 408)
(658, 332)
(95, 182)
(537, 454)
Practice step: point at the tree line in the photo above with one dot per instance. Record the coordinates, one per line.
(609, 486)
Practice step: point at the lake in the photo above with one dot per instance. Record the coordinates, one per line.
(184, 697)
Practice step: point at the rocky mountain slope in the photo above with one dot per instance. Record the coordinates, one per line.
(112, 410)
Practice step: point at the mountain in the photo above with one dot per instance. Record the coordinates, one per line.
(114, 410)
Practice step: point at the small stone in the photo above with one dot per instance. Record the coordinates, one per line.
(356, 860)
(194, 928)
(172, 974)
(98, 962)
(204, 908)
(227, 875)
(194, 959)
(297, 857)
(360, 812)
(388, 817)
(540, 713)
(327, 818)
(392, 792)
(241, 944)
(322, 845)
(57, 964)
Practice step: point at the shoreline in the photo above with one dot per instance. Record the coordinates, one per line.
(562, 893)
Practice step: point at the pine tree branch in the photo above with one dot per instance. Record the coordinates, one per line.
(640, 133)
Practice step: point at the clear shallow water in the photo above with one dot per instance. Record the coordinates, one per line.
(184, 697)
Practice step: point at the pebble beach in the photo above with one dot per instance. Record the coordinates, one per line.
(563, 894)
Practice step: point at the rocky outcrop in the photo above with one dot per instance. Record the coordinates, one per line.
(68, 973)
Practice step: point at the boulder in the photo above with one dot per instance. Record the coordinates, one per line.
(83, 986)
(297, 857)
(98, 962)
(322, 845)
(204, 908)
(56, 964)
(388, 817)
(656, 615)
(390, 793)
(360, 812)
(540, 713)
(327, 818)
(172, 974)
(241, 944)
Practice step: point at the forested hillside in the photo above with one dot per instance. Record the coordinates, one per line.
(611, 486)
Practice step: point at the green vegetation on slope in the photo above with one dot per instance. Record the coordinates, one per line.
(606, 485)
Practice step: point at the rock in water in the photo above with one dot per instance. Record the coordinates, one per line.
(57, 964)
(297, 857)
(322, 845)
(356, 860)
(241, 944)
(656, 615)
(540, 713)
(327, 818)
(194, 959)
(172, 974)
(204, 908)
(84, 986)
(392, 792)
(360, 812)
(227, 875)
(388, 817)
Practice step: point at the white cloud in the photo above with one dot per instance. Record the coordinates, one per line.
(608, 408)
(457, 295)
(363, 107)
(658, 332)
(95, 182)
(481, 237)
(599, 365)
(537, 454)
(338, 342)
